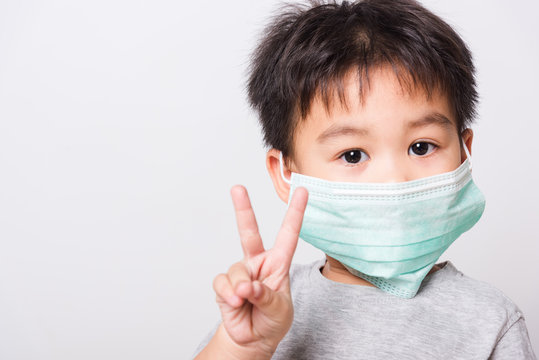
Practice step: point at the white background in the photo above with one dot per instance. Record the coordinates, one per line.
(123, 125)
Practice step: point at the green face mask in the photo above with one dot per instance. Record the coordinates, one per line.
(390, 234)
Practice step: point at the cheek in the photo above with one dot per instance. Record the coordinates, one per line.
(445, 163)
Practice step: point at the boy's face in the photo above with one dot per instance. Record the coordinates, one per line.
(391, 136)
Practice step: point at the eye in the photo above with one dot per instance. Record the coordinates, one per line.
(421, 148)
(354, 156)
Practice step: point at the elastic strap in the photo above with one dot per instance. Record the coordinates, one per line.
(282, 169)
(468, 155)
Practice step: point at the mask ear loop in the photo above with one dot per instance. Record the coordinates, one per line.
(282, 169)
(468, 157)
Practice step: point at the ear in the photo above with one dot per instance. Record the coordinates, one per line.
(467, 138)
(272, 164)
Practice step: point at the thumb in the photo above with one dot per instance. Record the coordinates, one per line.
(270, 303)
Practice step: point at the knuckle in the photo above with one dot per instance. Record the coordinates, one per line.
(268, 298)
(231, 269)
(249, 233)
(218, 282)
(234, 268)
(238, 273)
(290, 229)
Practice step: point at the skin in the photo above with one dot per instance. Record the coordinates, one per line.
(254, 295)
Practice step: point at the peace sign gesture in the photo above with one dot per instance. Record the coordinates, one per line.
(254, 296)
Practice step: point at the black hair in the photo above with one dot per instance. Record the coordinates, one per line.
(308, 50)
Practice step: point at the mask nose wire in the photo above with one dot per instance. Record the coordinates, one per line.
(468, 155)
(282, 169)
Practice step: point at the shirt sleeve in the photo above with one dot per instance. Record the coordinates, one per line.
(514, 344)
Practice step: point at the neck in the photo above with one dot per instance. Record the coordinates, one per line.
(335, 271)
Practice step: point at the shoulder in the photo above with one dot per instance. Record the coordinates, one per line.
(494, 310)
(475, 298)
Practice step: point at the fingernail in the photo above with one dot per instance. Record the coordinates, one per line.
(234, 300)
(257, 287)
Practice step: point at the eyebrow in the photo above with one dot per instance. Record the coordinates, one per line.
(432, 119)
(336, 130)
(429, 119)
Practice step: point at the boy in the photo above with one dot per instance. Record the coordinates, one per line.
(366, 108)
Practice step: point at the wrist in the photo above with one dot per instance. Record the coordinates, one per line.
(258, 351)
(222, 346)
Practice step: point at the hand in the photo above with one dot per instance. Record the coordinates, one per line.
(254, 296)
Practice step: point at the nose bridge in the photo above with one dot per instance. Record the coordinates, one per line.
(391, 168)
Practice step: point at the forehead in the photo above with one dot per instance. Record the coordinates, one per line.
(378, 103)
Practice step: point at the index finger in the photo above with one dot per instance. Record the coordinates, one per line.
(287, 238)
(251, 242)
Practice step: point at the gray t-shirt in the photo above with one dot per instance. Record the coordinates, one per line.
(451, 317)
